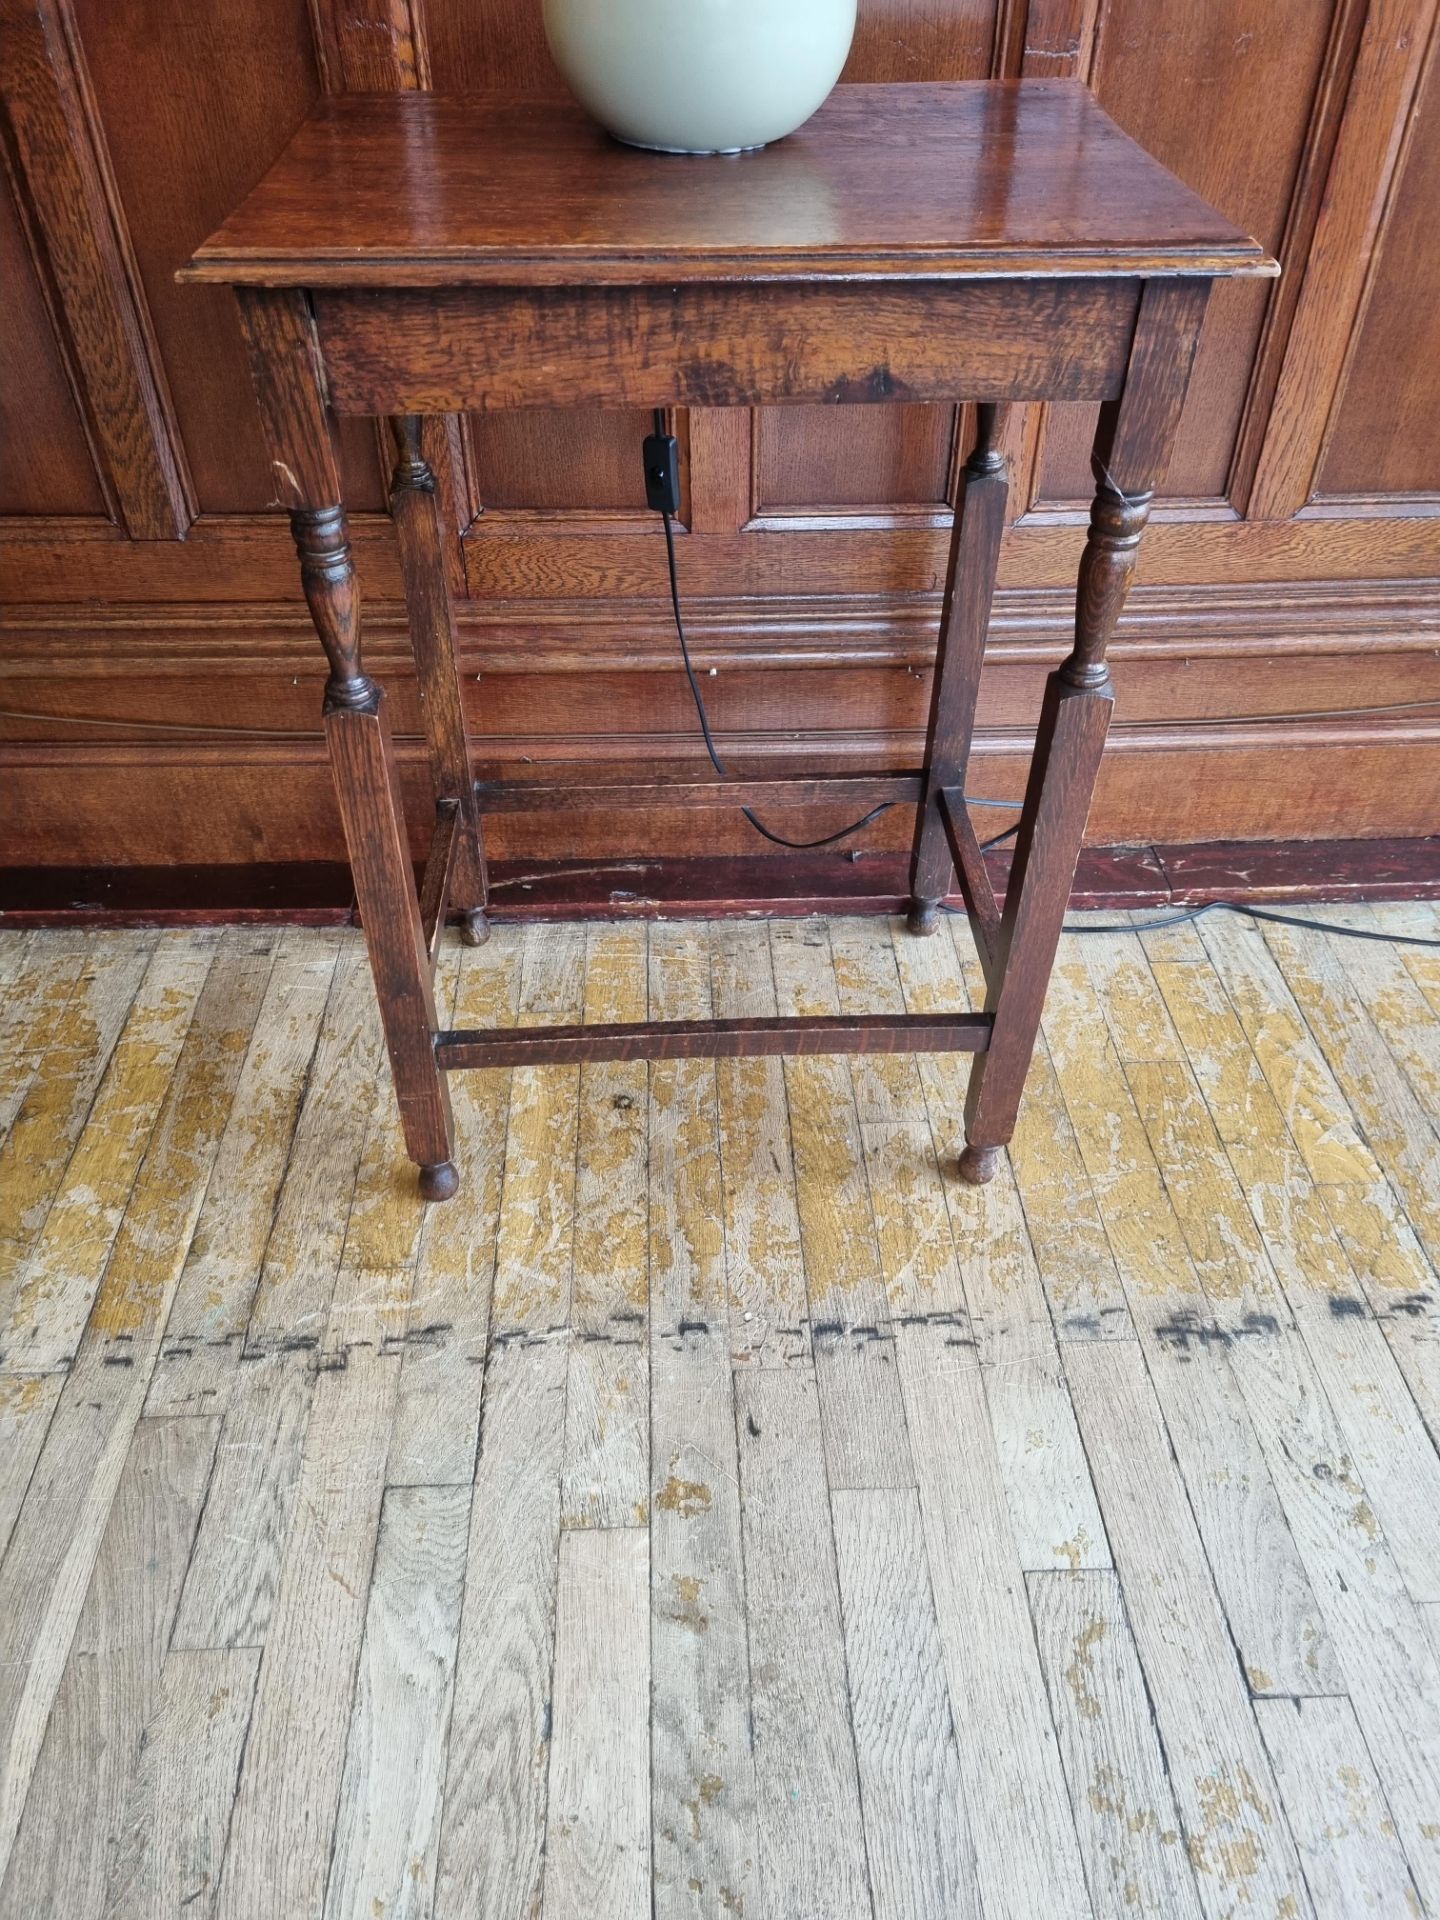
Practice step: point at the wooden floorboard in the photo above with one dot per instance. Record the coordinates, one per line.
(719, 1510)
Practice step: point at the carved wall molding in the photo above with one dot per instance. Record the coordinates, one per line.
(56, 153)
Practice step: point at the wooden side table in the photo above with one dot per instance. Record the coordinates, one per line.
(412, 255)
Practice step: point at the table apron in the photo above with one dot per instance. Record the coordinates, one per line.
(734, 344)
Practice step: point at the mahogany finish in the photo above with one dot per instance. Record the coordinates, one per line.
(886, 182)
(1006, 238)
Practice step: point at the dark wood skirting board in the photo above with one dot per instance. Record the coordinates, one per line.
(318, 893)
(112, 802)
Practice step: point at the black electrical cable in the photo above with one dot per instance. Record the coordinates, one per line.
(779, 840)
(1253, 913)
(1171, 920)
(776, 839)
(1327, 926)
(998, 839)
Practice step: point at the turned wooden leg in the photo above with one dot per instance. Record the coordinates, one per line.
(1132, 445)
(363, 761)
(964, 621)
(414, 507)
(279, 330)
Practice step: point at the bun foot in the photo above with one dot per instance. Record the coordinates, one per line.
(474, 932)
(439, 1182)
(979, 1165)
(923, 917)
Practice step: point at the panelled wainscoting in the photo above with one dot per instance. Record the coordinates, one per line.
(1277, 670)
(719, 1511)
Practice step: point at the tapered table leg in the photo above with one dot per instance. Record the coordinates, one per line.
(357, 732)
(1132, 448)
(964, 622)
(285, 363)
(414, 506)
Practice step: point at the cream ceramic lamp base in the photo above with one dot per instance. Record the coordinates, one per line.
(700, 76)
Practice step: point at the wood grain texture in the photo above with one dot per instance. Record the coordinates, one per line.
(51, 1295)
(935, 180)
(171, 1837)
(1372, 443)
(1379, 1240)
(1312, 127)
(791, 1034)
(27, 1401)
(1271, 1608)
(1245, 1290)
(1333, 1801)
(387, 1833)
(704, 1838)
(492, 1839)
(58, 1533)
(59, 149)
(1026, 1851)
(764, 1266)
(38, 984)
(1219, 1772)
(1386, 71)
(263, 1376)
(234, 1575)
(427, 562)
(1397, 1121)
(812, 1851)
(1130, 1834)
(722, 346)
(111, 1678)
(291, 1302)
(993, 1305)
(861, 1408)
(437, 1414)
(286, 1807)
(222, 1266)
(535, 1251)
(607, 1447)
(598, 1827)
(918, 1844)
(781, 1661)
(83, 1025)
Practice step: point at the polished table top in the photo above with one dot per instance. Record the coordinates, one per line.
(977, 179)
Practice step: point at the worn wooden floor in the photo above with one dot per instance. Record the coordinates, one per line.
(716, 1505)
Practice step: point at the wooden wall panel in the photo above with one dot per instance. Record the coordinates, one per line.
(489, 43)
(549, 462)
(1248, 75)
(853, 457)
(59, 160)
(238, 79)
(1386, 433)
(182, 152)
(924, 40)
(158, 695)
(45, 460)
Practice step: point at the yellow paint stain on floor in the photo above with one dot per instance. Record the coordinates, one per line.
(1187, 1134)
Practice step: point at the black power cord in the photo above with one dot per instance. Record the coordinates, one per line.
(662, 490)
(776, 839)
(1253, 913)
